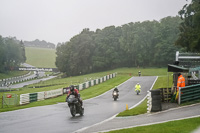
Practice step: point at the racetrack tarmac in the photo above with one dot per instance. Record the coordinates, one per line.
(57, 118)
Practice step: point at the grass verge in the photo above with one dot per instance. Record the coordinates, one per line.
(179, 126)
(41, 57)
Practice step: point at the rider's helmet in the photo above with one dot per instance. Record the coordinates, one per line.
(137, 83)
(72, 88)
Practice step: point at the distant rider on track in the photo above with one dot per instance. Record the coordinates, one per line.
(137, 88)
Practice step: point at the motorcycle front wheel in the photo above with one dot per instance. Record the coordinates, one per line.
(73, 110)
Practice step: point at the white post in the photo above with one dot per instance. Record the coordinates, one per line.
(177, 55)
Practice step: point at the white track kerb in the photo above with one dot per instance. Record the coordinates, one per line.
(82, 129)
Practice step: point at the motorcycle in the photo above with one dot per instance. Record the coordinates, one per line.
(115, 95)
(137, 92)
(75, 106)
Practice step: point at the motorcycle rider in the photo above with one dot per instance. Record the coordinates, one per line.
(115, 96)
(116, 89)
(137, 87)
(74, 92)
(139, 73)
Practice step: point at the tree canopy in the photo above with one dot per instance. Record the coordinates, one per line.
(139, 44)
(12, 53)
(189, 37)
(39, 44)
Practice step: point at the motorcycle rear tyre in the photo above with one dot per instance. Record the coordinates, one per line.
(115, 98)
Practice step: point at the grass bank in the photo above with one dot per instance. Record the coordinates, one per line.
(41, 57)
(179, 126)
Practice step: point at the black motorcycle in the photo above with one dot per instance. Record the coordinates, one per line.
(75, 106)
(137, 92)
(115, 95)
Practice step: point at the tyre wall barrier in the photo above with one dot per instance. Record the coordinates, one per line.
(189, 93)
(53, 93)
(92, 82)
(95, 81)
(156, 100)
(38, 96)
(33, 97)
(24, 99)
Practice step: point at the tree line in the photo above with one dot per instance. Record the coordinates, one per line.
(39, 44)
(12, 53)
(139, 44)
(189, 37)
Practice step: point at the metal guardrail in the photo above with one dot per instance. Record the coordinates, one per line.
(189, 93)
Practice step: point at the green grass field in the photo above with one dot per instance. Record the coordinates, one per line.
(41, 57)
(179, 126)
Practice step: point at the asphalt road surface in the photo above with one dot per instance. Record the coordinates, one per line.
(57, 118)
(117, 123)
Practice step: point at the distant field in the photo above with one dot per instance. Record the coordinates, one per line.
(41, 57)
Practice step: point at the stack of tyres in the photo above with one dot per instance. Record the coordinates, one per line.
(156, 100)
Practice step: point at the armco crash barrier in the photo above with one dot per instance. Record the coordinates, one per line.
(38, 96)
(189, 93)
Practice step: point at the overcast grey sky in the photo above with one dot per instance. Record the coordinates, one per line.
(59, 20)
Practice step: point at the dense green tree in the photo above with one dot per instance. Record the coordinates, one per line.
(139, 44)
(12, 53)
(189, 37)
(75, 57)
(23, 51)
(2, 55)
(107, 54)
(168, 34)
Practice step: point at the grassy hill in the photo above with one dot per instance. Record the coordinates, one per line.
(41, 57)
